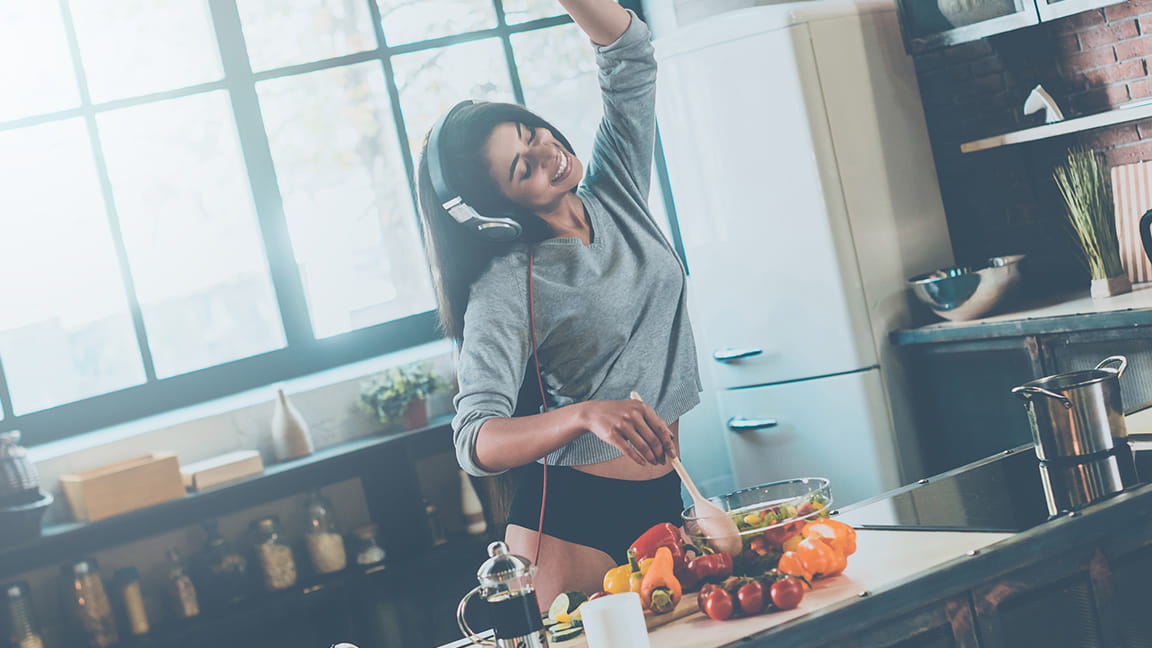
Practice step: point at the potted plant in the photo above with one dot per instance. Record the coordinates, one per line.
(1084, 184)
(397, 397)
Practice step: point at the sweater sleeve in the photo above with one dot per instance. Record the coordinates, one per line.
(493, 357)
(622, 150)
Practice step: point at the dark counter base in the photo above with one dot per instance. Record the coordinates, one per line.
(1081, 580)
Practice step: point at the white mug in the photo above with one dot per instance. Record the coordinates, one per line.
(615, 621)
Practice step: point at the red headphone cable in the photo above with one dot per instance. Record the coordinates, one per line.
(543, 404)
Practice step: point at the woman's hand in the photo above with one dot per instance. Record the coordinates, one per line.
(631, 426)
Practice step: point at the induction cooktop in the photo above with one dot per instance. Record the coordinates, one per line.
(1003, 493)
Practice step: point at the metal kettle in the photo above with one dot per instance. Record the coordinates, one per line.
(1146, 233)
(506, 586)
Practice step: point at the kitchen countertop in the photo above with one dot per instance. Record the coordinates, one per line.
(1076, 312)
(893, 553)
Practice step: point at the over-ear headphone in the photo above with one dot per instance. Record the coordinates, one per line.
(494, 229)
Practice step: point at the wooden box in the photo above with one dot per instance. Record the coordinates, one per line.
(222, 469)
(123, 486)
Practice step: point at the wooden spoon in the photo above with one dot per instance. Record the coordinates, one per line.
(721, 532)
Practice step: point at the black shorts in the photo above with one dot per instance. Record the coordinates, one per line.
(598, 512)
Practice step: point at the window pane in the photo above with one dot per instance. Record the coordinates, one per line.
(65, 330)
(135, 47)
(346, 197)
(408, 21)
(518, 11)
(432, 81)
(189, 227)
(558, 73)
(298, 31)
(35, 68)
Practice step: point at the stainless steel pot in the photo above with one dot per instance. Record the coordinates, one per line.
(1078, 413)
(1069, 486)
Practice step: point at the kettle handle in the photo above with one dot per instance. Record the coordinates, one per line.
(1119, 371)
(1146, 233)
(460, 621)
(1025, 391)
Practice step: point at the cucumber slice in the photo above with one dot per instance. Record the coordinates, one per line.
(566, 603)
(560, 627)
(565, 635)
(549, 621)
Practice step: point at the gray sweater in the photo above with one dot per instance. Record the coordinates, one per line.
(611, 317)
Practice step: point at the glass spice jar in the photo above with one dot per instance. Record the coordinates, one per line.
(16, 615)
(367, 549)
(221, 570)
(323, 538)
(87, 603)
(127, 581)
(273, 552)
(181, 589)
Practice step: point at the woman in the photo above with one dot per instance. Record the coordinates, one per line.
(591, 284)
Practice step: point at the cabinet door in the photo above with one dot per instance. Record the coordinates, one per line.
(834, 427)
(1063, 601)
(774, 275)
(928, 24)
(1052, 9)
(943, 624)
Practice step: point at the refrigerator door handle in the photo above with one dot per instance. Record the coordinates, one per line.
(737, 424)
(728, 354)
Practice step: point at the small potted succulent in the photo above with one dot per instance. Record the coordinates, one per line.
(398, 396)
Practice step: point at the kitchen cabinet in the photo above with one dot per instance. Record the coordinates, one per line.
(933, 24)
(405, 604)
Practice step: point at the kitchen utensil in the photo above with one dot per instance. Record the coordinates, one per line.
(506, 586)
(713, 521)
(963, 293)
(1146, 233)
(1077, 413)
(615, 621)
(789, 504)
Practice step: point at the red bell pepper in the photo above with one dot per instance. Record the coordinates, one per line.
(712, 568)
(668, 535)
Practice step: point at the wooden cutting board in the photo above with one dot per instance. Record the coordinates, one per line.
(1132, 195)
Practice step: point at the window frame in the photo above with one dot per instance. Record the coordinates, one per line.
(303, 354)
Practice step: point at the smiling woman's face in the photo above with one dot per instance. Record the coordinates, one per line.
(531, 167)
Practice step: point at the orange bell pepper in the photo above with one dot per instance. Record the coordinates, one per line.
(819, 557)
(841, 536)
(790, 563)
(660, 591)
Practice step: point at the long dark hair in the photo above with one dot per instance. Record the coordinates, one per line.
(458, 256)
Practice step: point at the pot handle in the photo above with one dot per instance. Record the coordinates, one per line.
(1119, 371)
(1026, 391)
(460, 621)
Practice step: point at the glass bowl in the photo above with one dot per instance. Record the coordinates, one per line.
(767, 515)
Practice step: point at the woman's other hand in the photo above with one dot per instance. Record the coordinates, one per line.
(631, 426)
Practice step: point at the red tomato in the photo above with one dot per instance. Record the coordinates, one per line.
(786, 593)
(718, 604)
(751, 597)
(703, 595)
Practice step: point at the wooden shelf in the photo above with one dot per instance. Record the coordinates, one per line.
(358, 458)
(1077, 125)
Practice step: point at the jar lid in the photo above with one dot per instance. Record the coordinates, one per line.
(18, 589)
(126, 575)
(502, 566)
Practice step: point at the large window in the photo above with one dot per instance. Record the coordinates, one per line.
(204, 196)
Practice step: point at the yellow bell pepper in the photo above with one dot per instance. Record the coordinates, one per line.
(619, 579)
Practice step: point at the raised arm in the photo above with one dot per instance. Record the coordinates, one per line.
(602, 20)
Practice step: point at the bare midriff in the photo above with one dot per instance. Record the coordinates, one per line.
(623, 467)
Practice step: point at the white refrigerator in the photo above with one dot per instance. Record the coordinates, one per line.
(806, 195)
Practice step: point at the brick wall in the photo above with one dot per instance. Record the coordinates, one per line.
(1003, 200)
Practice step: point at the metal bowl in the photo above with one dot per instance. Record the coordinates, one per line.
(963, 293)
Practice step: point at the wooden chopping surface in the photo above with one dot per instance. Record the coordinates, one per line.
(881, 558)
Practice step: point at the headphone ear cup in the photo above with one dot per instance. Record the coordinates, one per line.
(499, 230)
